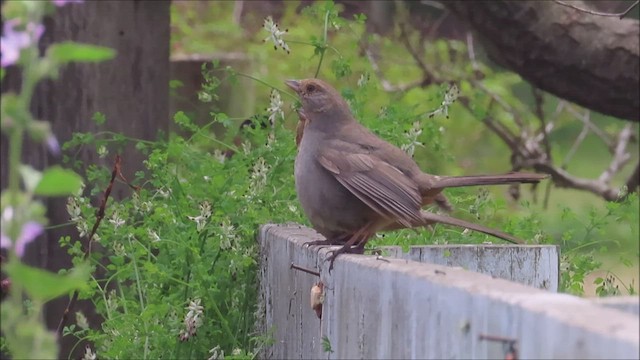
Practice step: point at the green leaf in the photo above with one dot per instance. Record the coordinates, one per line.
(99, 118)
(43, 285)
(69, 51)
(57, 181)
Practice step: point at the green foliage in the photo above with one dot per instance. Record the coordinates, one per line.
(189, 233)
(326, 345)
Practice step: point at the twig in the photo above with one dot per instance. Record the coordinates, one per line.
(516, 116)
(620, 155)
(386, 85)
(539, 99)
(586, 119)
(634, 179)
(563, 179)
(471, 52)
(598, 13)
(99, 217)
(574, 147)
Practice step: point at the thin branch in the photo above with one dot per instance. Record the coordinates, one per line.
(516, 115)
(471, 52)
(586, 119)
(563, 179)
(539, 99)
(574, 147)
(598, 13)
(99, 216)
(620, 155)
(386, 85)
(634, 179)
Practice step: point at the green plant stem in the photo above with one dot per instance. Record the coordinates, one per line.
(140, 297)
(311, 44)
(267, 84)
(324, 43)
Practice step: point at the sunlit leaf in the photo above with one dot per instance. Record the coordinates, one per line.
(43, 285)
(69, 51)
(57, 181)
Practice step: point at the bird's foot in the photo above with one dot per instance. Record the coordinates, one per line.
(337, 240)
(345, 249)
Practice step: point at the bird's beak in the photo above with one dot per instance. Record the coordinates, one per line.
(294, 85)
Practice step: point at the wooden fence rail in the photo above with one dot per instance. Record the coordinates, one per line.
(384, 307)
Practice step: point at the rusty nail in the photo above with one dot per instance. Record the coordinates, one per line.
(511, 352)
(293, 266)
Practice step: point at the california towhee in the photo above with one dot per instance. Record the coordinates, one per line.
(352, 184)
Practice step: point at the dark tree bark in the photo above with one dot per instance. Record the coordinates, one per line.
(591, 60)
(131, 90)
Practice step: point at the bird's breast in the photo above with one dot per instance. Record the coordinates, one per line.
(330, 207)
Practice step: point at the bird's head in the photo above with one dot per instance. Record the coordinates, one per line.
(317, 96)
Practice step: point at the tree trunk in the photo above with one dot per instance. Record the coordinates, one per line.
(131, 90)
(591, 60)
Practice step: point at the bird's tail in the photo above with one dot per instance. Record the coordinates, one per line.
(442, 182)
(431, 218)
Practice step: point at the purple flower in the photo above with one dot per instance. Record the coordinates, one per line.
(65, 2)
(30, 231)
(12, 42)
(53, 145)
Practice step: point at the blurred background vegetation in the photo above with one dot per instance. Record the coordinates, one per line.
(600, 236)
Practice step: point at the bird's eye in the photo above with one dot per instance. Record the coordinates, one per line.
(311, 88)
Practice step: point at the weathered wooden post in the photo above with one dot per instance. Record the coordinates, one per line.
(385, 307)
(130, 90)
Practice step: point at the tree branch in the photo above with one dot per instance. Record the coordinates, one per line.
(531, 149)
(562, 51)
(598, 13)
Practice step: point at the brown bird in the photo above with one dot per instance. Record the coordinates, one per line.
(352, 184)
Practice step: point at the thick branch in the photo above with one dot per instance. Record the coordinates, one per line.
(584, 58)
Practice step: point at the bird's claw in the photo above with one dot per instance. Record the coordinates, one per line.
(345, 249)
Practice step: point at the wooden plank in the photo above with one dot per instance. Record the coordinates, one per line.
(397, 308)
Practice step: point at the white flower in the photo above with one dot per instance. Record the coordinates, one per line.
(73, 208)
(450, 96)
(118, 249)
(102, 151)
(216, 353)
(412, 135)
(193, 320)
(227, 235)
(82, 321)
(275, 34)
(116, 220)
(258, 177)
(363, 80)
(205, 213)
(88, 354)
(153, 235)
(275, 107)
(220, 156)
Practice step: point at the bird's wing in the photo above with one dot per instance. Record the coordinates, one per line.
(375, 182)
